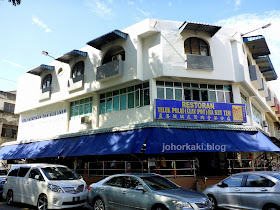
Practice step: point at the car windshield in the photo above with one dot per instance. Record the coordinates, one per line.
(159, 183)
(3, 172)
(59, 173)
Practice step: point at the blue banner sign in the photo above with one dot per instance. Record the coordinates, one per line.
(199, 111)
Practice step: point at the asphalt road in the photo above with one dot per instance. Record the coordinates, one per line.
(20, 206)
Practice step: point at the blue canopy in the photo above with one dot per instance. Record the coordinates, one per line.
(158, 140)
(127, 142)
(170, 140)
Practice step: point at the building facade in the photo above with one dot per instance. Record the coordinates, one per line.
(157, 89)
(8, 120)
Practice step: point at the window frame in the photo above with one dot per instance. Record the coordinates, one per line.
(46, 81)
(76, 71)
(132, 95)
(192, 87)
(257, 115)
(78, 104)
(270, 184)
(242, 181)
(9, 107)
(201, 44)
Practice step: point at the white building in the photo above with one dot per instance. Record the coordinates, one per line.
(130, 88)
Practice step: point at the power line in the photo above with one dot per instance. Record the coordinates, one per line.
(8, 80)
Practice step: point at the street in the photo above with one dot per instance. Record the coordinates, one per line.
(20, 206)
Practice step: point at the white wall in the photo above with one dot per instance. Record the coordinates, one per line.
(154, 49)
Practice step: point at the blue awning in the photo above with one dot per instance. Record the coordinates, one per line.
(127, 142)
(66, 58)
(257, 45)
(42, 149)
(107, 38)
(38, 70)
(266, 67)
(158, 140)
(193, 140)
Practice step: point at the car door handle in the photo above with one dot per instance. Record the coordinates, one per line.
(102, 189)
(263, 189)
(124, 192)
(237, 189)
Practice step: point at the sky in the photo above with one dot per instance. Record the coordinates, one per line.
(60, 26)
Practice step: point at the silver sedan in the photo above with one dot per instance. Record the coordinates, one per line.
(258, 190)
(143, 191)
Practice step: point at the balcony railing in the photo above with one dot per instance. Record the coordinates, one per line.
(110, 70)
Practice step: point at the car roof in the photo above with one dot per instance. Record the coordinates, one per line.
(140, 175)
(40, 165)
(270, 173)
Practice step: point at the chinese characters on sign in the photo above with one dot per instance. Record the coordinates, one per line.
(199, 111)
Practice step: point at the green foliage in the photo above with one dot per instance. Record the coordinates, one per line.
(15, 2)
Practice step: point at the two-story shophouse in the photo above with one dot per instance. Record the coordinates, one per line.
(176, 98)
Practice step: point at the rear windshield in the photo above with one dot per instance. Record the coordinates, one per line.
(277, 176)
(59, 173)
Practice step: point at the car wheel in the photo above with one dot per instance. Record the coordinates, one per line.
(213, 201)
(99, 204)
(42, 203)
(160, 207)
(9, 197)
(272, 207)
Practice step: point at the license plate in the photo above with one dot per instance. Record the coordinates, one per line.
(76, 199)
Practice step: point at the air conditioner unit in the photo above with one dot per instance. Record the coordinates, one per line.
(85, 119)
(117, 57)
(265, 124)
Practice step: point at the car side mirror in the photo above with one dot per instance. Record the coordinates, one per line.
(222, 185)
(37, 177)
(140, 188)
(81, 177)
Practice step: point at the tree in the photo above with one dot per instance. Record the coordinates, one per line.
(15, 2)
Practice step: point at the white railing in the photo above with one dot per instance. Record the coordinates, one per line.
(174, 168)
(239, 165)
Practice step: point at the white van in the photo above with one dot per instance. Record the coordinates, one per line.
(46, 186)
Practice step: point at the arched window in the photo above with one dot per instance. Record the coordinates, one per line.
(47, 81)
(114, 53)
(78, 69)
(196, 46)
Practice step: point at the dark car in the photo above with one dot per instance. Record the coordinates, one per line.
(259, 190)
(3, 177)
(143, 191)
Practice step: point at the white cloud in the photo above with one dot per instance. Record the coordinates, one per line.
(99, 7)
(146, 14)
(237, 3)
(39, 23)
(248, 22)
(130, 2)
(14, 64)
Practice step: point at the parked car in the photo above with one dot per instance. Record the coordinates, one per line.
(46, 186)
(3, 177)
(143, 191)
(247, 190)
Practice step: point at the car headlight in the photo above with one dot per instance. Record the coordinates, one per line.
(55, 188)
(181, 204)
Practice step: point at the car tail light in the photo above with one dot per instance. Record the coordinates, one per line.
(89, 188)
